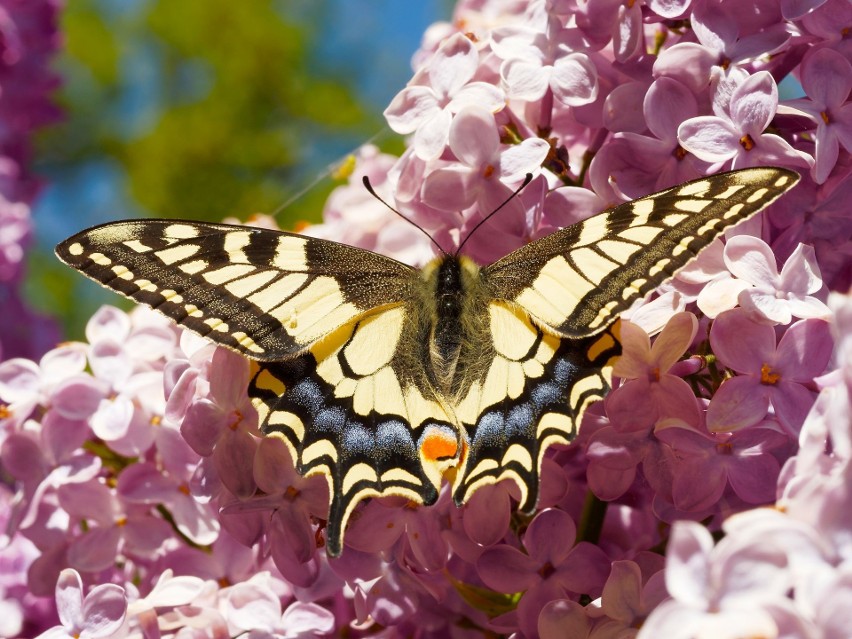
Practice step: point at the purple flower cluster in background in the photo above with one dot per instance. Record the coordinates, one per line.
(28, 40)
(710, 495)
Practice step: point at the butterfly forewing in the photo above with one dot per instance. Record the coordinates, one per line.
(580, 278)
(265, 294)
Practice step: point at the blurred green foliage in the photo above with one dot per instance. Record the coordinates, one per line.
(206, 110)
(231, 104)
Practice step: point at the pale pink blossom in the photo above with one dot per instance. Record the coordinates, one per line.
(442, 88)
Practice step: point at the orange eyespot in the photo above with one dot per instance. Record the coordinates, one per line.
(439, 445)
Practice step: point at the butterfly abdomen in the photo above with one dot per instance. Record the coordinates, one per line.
(458, 340)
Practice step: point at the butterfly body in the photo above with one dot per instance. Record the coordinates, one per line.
(381, 377)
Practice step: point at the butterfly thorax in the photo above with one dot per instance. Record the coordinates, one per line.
(456, 334)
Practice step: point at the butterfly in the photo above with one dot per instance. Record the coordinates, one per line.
(386, 379)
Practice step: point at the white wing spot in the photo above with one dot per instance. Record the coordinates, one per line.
(123, 272)
(172, 296)
(693, 206)
(178, 253)
(228, 273)
(710, 227)
(695, 188)
(235, 242)
(641, 234)
(146, 285)
(734, 211)
(191, 268)
(290, 254)
(100, 259)
(683, 245)
(137, 246)
(193, 311)
(757, 196)
(180, 231)
(729, 192)
(659, 267)
(247, 342)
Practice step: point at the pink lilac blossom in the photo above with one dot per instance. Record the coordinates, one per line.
(132, 463)
(29, 37)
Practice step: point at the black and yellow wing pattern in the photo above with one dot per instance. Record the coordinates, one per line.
(381, 377)
(568, 289)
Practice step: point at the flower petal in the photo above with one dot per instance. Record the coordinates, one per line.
(474, 139)
(453, 64)
(525, 80)
(507, 569)
(753, 103)
(709, 138)
(674, 340)
(69, 599)
(740, 343)
(740, 402)
(574, 79)
(687, 570)
(410, 108)
(550, 536)
(104, 610)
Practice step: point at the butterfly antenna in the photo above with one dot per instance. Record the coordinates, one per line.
(527, 180)
(340, 165)
(372, 192)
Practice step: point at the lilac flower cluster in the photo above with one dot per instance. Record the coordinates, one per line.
(28, 40)
(710, 495)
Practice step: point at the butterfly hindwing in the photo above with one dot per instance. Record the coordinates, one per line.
(266, 294)
(353, 410)
(532, 395)
(577, 280)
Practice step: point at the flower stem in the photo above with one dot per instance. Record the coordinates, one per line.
(591, 520)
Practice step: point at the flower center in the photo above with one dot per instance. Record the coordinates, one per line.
(768, 376)
(546, 570)
(488, 172)
(746, 142)
(5, 413)
(726, 448)
(824, 116)
(679, 152)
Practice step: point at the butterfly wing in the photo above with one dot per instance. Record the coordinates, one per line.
(577, 280)
(358, 409)
(567, 290)
(532, 394)
(335, 330)
(266, 294)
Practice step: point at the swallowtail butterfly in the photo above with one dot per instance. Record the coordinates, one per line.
(382, 377)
